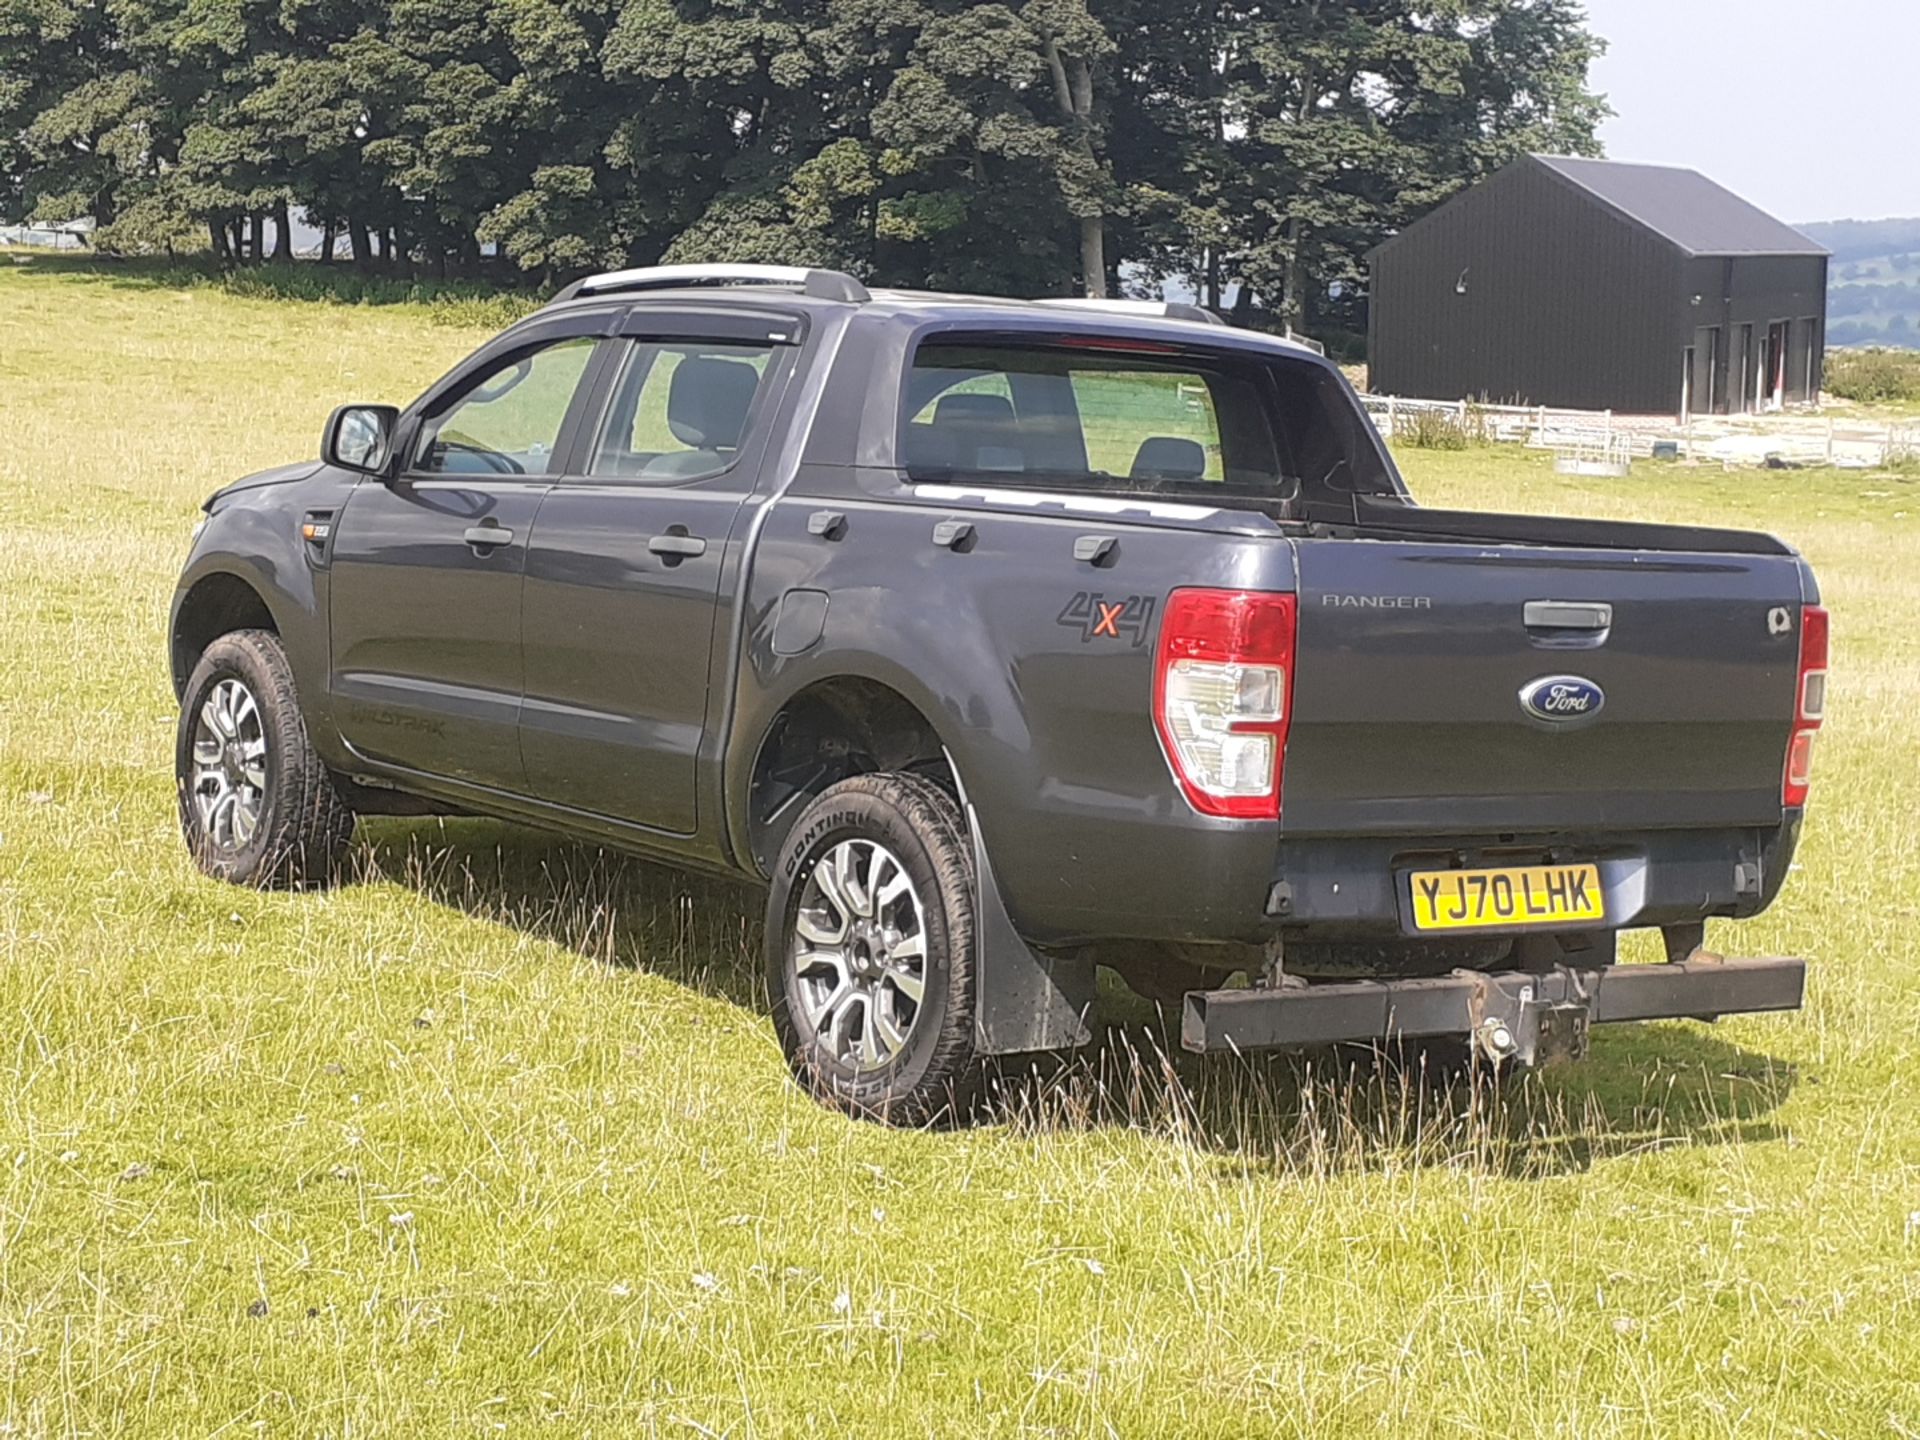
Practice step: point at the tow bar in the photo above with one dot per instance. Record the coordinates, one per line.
(1515, 1018)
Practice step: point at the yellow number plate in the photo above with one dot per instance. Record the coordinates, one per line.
(1490, 899)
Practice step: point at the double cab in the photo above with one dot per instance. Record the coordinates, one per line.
(1000, 640)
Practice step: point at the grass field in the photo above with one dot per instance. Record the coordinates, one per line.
(497, 1140)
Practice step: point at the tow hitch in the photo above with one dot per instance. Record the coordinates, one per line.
(1518, 1018)
(1541, 1021)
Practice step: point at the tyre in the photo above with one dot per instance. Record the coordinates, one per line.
(257, 805)
(870, 951)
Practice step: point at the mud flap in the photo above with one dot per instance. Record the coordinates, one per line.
(1023, 1000)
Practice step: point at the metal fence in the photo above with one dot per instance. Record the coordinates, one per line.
(71, 236)
(1787, 437)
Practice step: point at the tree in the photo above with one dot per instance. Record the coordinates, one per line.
(72, 111)
(982, 170)
(1074, 45)
(1339, 123)
(1253, 149)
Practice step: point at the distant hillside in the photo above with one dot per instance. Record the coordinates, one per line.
(1874, 291)
(1865, 239)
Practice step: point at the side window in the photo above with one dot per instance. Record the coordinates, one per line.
(1160, 423)
(970, 419)
(990, 382)
(1082, 415)
(508, 423)
(680, 409)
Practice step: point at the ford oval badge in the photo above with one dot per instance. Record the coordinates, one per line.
(1562, 698)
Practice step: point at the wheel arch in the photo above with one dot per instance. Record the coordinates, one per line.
(827, 730)
(215, 604)
(1026, 1001)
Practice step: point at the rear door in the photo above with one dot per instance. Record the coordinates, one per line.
(628, 558)
(428, 567)
(1453, 688)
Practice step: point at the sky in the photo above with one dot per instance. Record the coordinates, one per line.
(1805, 107)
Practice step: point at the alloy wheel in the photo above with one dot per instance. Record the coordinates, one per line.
(229, 781)
(858, 954)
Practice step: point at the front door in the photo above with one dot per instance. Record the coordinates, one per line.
(428, 568)
(624, 574)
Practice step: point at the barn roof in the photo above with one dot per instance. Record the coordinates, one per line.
(1684, 207)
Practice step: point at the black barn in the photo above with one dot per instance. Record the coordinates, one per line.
(1599, 286)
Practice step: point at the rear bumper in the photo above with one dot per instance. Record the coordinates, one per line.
(1333, 888)
(1519, 1017)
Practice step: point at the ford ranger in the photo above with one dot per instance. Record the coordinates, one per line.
(1000, 639)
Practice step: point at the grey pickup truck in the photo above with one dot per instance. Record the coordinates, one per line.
(1001, 639)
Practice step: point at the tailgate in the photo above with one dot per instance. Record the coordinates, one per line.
(1662, 688)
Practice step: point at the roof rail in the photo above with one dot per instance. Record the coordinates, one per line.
(821, 284)
(1167, 309)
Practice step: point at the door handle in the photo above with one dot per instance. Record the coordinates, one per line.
(1567, 615)
(679, 547)
(483, 537)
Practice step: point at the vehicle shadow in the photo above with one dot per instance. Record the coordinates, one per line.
(1345, 1109)
(1643, 1087)
(697, 931)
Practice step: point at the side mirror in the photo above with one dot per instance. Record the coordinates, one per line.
(359, 437)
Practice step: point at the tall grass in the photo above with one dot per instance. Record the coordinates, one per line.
(1872, 376)
(496, 1137)
(1430, 428)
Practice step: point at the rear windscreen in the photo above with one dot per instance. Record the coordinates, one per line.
(1132, 420)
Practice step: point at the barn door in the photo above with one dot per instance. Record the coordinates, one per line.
(1705, 385)
(1745, 384)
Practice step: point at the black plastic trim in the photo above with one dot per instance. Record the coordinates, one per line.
(1231, 1021)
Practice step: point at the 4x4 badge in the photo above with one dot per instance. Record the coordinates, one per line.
(1126, 617)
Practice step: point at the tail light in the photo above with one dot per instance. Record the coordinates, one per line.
(1809, 706)
(1223, 697)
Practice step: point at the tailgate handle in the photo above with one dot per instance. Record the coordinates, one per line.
(1568, 615)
